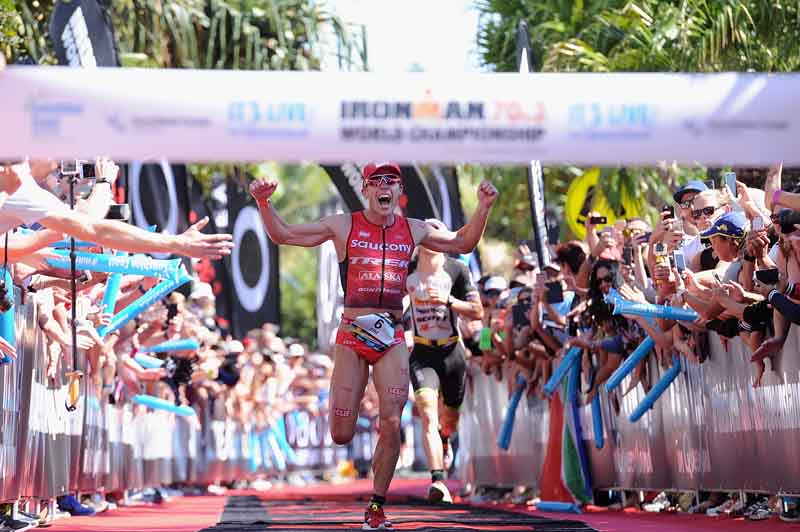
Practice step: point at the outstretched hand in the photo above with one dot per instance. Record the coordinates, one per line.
(262, 189)
(201, 245)
(487, 193)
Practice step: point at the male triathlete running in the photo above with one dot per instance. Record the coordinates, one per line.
(374, 248)
(440, 290)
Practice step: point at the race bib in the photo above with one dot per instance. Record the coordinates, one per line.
(375, 330)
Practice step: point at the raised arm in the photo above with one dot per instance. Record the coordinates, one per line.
(304, 235)
(465, 239)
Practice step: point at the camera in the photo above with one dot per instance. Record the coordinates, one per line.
(77, 169)
(598, 220)
(669, 210)
(769, 276)
(119, 211)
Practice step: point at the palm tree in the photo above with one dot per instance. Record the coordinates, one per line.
(644, 36)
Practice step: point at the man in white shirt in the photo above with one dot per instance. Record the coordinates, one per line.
(31, 204)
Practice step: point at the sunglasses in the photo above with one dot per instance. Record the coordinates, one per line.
(685, 204)
(708, 211)
(606, 279)
(491, 292)
(379, 180)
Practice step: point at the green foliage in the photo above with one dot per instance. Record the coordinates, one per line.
(627, 36)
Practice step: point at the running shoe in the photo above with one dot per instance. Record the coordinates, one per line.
(375, 519)
(69, 503)
(790, 513)
(438, 492)
(659, 504)
(722, 509)
(15, 525)
(758, 511)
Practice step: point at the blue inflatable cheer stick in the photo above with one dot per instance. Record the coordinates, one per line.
(572, 356)
(78, 244)
(630, 363)
(597, 422)
(507, 428)
(653, 311)
(280, 433)
(7, 317)
(112, 291)
(143, 303)
(182, 344)
(100, 262)
(555, 506)
(148, 362)
(659, 388)
(161, 404)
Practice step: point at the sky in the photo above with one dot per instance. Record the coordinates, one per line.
(436, 35)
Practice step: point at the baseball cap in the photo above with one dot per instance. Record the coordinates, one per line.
(730, 224)
(201, 290)
(235, 346)
(691, 186)
(382, 167)
(296, 350)
(495, 283)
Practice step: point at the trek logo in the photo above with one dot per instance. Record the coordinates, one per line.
(376, 276)
(374, 261)
(363, 244)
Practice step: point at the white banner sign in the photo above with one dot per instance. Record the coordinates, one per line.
(605, 119)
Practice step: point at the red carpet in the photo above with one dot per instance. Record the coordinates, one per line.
(191, 514)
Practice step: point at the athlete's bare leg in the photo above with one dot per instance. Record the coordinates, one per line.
(349, 380)
(427, 400)
(390, 375)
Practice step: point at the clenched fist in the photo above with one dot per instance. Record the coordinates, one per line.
(487, 193)
(262, 189)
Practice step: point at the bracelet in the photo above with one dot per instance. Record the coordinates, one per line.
(103, 180)
(776, 197)
(749, 258)
(449, 301)
(141, 289)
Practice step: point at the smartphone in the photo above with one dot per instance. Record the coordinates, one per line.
(627, 255)
(768, 276)
(87, 171)
(598, 220)
(758, 223)
(680, 260)
(555, 292)
(711, 184)
(668, 209)
(644, 239)
(730, 182)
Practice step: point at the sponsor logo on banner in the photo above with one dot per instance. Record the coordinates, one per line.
(721, 127)
(154, 123)
(611, 121)
(430, 120)
(52, 116)
(262, 118)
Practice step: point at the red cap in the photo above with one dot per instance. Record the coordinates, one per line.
(381, 168)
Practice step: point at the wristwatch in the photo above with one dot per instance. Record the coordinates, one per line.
(103, 180)
(450, 299)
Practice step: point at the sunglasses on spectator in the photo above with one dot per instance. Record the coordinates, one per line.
(708, 211)
(685, 204)
(606, 279)
(492, 292)
(524, 266)
(386, 179)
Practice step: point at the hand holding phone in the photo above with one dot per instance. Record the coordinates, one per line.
(730, 182)
(598, 220)
(758, 223)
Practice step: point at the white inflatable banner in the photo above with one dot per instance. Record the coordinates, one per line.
(204, 115)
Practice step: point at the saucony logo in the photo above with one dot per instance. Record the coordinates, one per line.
(363, 244)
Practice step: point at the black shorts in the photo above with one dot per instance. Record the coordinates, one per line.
(439, 368)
